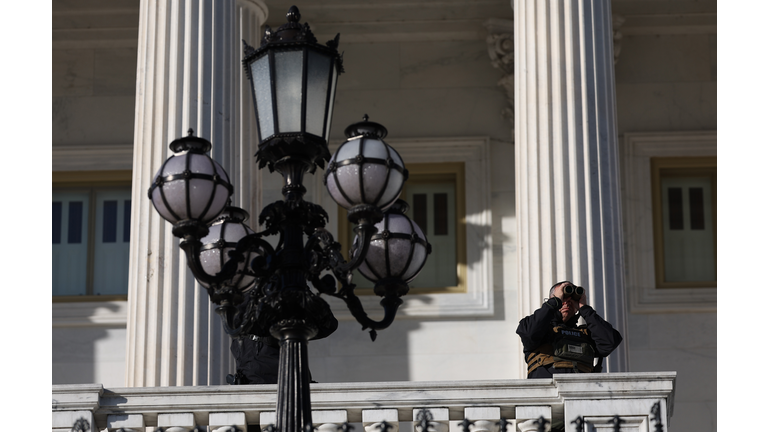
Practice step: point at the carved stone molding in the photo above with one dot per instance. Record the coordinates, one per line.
(618, 21)
(501, 50)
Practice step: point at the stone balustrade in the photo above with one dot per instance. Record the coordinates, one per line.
(595, 397)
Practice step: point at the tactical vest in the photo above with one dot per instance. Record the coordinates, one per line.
(571, 348)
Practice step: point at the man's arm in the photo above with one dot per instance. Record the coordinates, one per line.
(533, 329)
(602, 332)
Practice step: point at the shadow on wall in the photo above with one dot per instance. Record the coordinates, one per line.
(349, 355)
(84, 352)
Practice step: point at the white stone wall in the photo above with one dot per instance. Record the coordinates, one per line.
(691, 350)
(666, 81)
(89, 355)
(94, 73)
(88, 343)
(93, 89)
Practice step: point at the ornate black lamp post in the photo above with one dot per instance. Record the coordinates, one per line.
(264, 290)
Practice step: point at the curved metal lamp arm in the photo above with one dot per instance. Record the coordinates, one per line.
(249, 243)
(235, 317)
(231, 319)
(390, 303)
(326, 254)
(238, 316)
(365, 231)
(330, 250)
(192, 247)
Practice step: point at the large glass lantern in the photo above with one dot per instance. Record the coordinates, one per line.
(365, 171)
(190, 189)
(397, 253)
(223, 235)
(293, 81)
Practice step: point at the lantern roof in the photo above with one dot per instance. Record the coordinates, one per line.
(366, 128)
(191, 143)
(289, 34)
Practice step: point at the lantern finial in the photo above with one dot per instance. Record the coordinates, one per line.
(293, 14)
(367, 128)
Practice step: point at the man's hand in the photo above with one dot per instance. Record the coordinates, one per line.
(583, 299)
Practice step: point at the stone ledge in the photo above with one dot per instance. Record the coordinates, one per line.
(635, 389)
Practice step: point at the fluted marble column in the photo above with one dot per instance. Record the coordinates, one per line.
(189, 75)
(566, 147)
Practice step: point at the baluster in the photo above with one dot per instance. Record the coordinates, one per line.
(656, 412)
(617, 421)
(223, 422)
(503, 424)
(266, 419)
(376, 420)
(329, 420)
(65, 420)
(430, 420)
(126, 422)
(176, 422)
(466, 424)
(528, 418)
(82, 425)
(486, 419)
(541, 424)
(579, 422)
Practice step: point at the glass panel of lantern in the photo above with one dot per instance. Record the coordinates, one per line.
(303, 82)
(262, 91)
(319, 70)
(331, 97)
(288, 88)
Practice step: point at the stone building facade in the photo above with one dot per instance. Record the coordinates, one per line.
(561, 116)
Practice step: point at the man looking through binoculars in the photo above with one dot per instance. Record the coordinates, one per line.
(553, 342)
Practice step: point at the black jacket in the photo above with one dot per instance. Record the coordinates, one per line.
(257, 359)
(536, 330)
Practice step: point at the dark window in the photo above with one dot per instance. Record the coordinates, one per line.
(75, 231)
(88, 256)
(685, 222)
(109, 228)
(696, 198)
(675, 208)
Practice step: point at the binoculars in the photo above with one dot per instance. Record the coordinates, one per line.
(573, 290)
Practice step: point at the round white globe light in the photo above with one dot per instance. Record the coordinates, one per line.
(365, 170)
(223, 235)
(398, 251)
(190, 186)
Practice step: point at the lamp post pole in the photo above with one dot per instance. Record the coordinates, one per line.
(264, 290)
